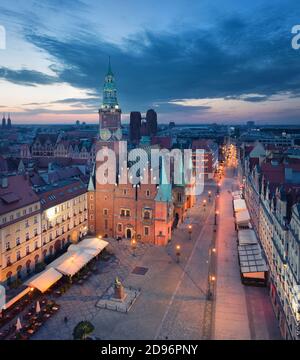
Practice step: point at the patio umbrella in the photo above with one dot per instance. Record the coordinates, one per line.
(18, 324)
(38, 307)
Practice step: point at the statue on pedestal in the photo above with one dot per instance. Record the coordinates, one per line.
(119, 289)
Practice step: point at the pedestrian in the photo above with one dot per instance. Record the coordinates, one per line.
(65, 319)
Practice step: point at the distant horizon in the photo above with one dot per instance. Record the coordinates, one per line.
(228, 63)
(96, 123)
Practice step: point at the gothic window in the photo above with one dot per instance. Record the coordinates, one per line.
(147, 214)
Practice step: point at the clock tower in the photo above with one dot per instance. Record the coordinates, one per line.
(110, 112)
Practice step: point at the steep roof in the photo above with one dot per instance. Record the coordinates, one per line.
(17, 194)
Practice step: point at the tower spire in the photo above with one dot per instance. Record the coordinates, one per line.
(109, 71)
(110, 90)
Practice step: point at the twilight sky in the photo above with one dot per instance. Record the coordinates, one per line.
(191, 60)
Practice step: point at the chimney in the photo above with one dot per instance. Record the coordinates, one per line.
(4, 182)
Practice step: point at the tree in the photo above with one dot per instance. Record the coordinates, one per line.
(82, 330)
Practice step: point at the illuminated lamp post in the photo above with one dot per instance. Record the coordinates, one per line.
(209, 196)
(204, 205)
(177, 253)
(211, 280)
(190, 229)
(133, 246)
(216, 214)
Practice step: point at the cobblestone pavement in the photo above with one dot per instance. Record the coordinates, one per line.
(172, 297)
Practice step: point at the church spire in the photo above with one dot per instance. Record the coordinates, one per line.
(109, 71)
(110, 100)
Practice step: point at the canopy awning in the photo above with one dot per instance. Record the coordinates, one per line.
(44, 280)
(78, 255)
(251, 259)
(239, 205)
(247, 237)
(242, 217)
(73, 262)
(92, 246)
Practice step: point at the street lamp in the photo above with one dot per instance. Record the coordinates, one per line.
(216, 214)
(209, 195)
(133, 245)
(177, 253)
(190, 229)
(204, 204)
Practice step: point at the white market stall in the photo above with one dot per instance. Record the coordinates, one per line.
(73, 262)
(247, 237)
(253, 266)
(91, 245)
(239, 205)
(243, 219)
(44, 280)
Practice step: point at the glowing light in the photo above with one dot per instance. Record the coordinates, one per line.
(50, 213)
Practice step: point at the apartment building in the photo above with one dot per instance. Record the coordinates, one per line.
(63, 215)
(38, 222)
(272, 193)
(20, 228)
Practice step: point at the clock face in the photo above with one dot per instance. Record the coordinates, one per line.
(118, 134)
(105, 134)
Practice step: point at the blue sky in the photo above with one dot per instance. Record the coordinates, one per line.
(221, 61)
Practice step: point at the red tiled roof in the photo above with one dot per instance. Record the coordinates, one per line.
(164, 141)
(61, 193)
(202, 144)
(273, 173)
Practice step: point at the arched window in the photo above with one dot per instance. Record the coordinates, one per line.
(36, 259)
(28, 266)
(8, 277)
(19, 271)
(147, 214)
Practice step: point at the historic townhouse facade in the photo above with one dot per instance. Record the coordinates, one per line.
(37, 222)
(64, 215)
(270, 193)
(20, 228)
(57, 147)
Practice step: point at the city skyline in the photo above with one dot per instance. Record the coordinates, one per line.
(191, 62)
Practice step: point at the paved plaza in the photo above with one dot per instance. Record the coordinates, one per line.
(173, 298)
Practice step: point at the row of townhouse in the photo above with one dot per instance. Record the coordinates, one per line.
(36, 223)
(272, 193)
(56, 146)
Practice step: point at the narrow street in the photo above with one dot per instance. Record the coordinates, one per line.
(241, 312)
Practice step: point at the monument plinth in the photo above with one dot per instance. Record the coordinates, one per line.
(118, 298)
(119, 292)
